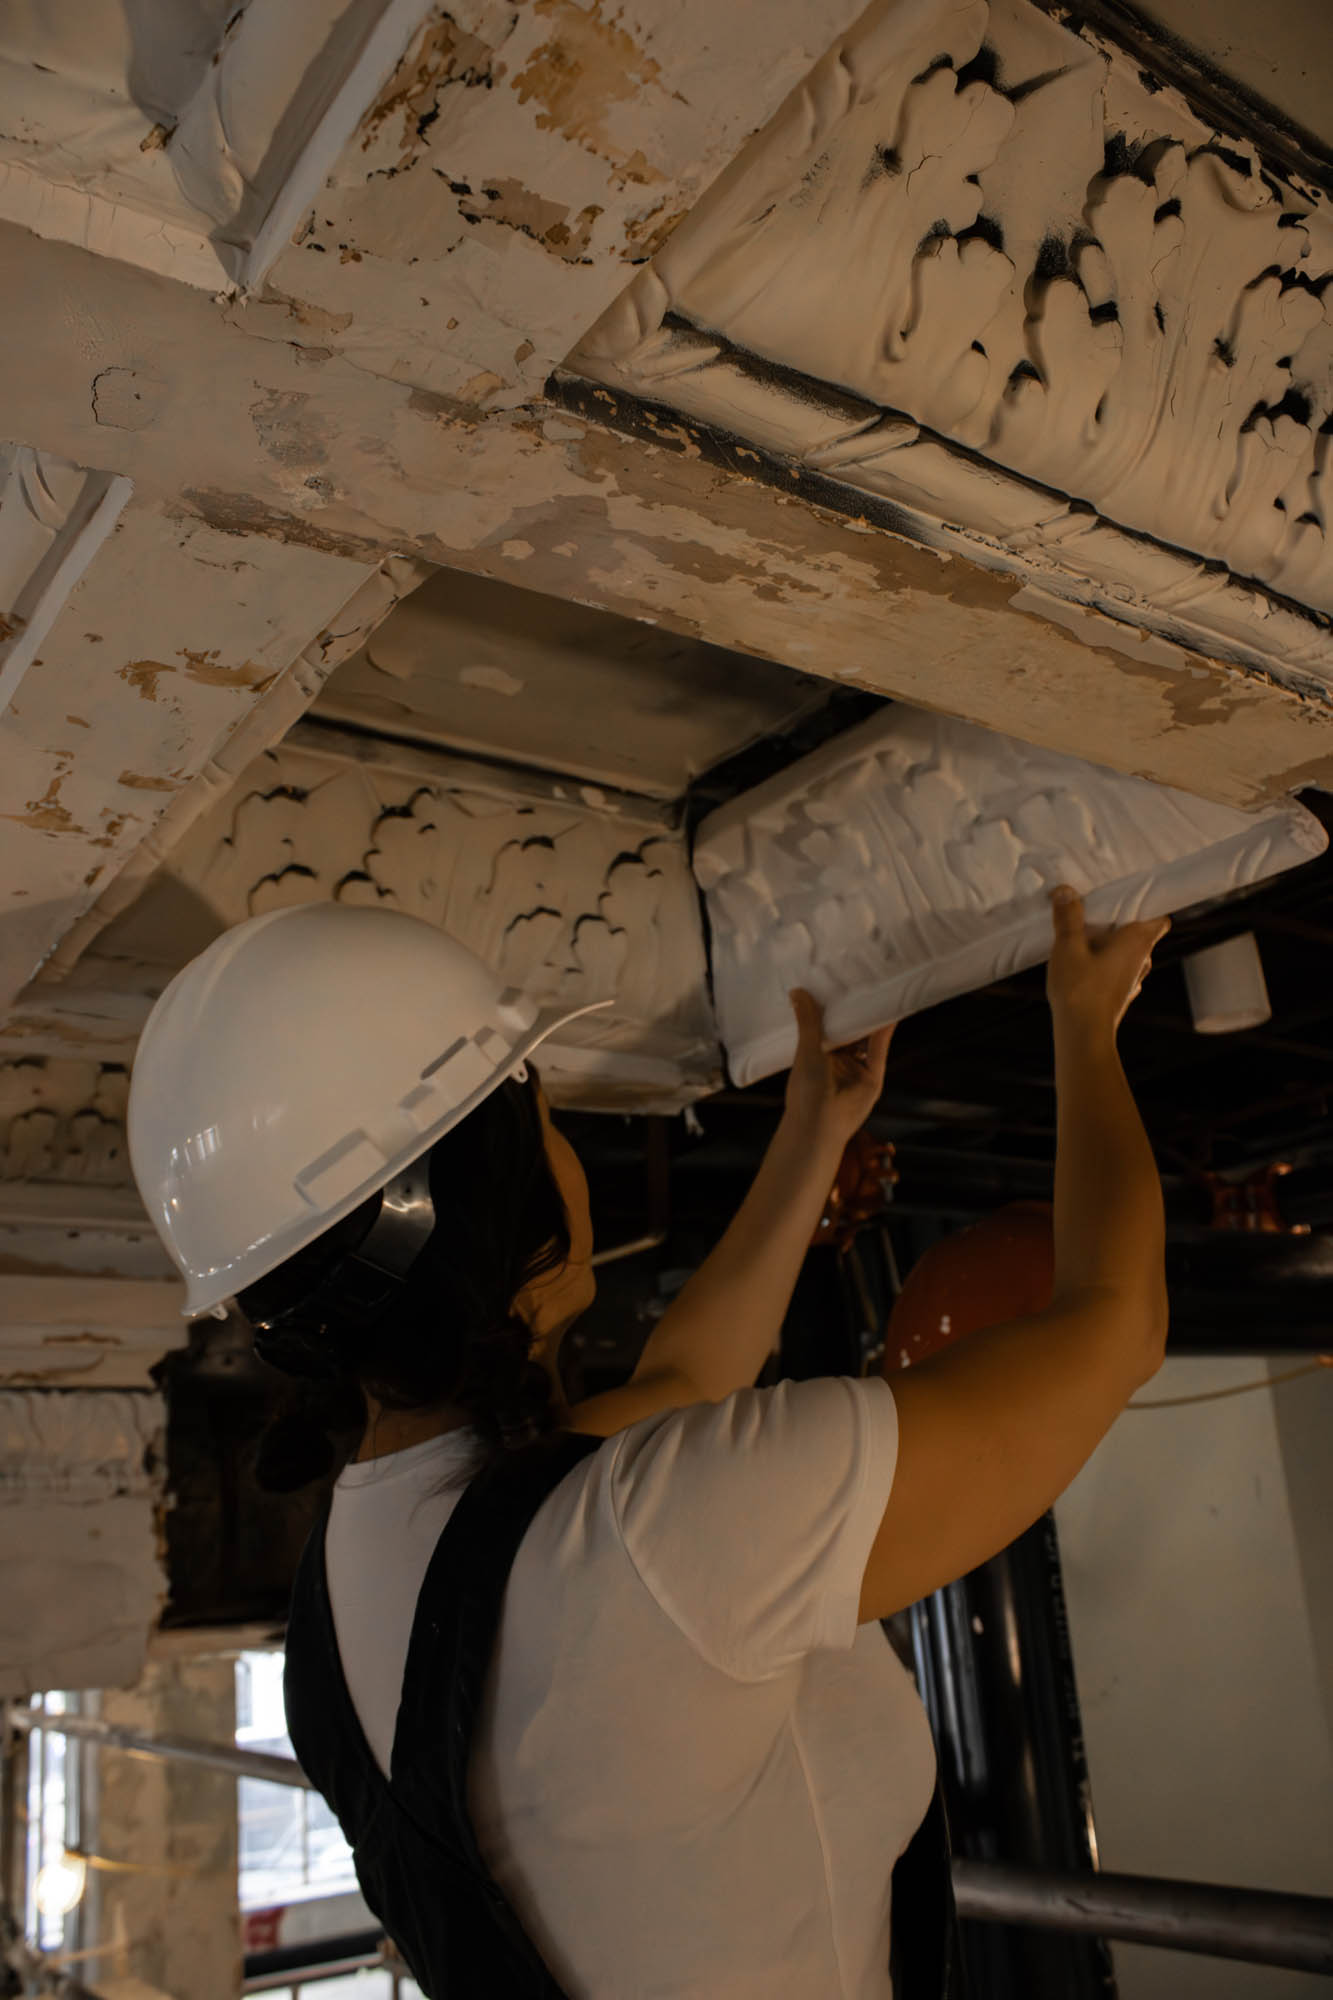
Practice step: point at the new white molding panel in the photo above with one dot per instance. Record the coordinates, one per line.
(910, 860)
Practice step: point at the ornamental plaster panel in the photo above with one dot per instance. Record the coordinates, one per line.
(62, 1119)
(910, 860)
(1061, 318)
(570, 893)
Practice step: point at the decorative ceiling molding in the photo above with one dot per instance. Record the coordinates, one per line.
(1066, 325)
(54, 517)
(196, 163)
(569, 893)
(63, 1119)
(910, 860)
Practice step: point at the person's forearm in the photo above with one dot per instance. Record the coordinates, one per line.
(1110, 1227)
(726, 1321)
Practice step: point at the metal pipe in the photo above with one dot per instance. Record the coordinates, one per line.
(1255, 1924)
(217, 1756)
(1260, 1925)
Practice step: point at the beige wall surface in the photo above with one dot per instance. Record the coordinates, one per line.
(1190, 1549)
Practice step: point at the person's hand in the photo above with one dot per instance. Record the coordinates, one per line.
(1094, 975)
(831, 1092)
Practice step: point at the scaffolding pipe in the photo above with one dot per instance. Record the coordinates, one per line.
(183, 1749)
(1260, 1925)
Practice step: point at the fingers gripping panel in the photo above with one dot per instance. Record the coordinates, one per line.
(910, 860)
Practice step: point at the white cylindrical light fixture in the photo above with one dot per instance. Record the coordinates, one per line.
(1226, 986)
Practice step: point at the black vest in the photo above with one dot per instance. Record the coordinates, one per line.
(417, 1859)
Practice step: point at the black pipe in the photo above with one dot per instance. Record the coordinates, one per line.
(997, 1677)
(297, 1958)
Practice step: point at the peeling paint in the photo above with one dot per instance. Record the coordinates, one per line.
(143, 676)
(587, 65)
(446, 53)
(46, 814)
(140, 783)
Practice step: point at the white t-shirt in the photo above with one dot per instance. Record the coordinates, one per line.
(693, 1770)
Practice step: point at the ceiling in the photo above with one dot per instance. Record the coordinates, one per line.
(482, 667)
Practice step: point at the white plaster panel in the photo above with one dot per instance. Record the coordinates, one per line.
(568, 898)
(160, 650)
(81, 1482)
(910, 860)
(1045, 262)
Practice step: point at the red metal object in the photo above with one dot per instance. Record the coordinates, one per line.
(998, 1269)
(260, 1928)
(862, 1190)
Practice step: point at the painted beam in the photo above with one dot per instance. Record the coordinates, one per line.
(267, 436)
(161, 647)
(54, 517)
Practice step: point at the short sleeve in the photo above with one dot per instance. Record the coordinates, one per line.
(751, 1520)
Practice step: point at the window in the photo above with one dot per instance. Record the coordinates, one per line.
(290, 1847)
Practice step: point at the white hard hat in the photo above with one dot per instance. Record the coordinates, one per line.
(299, 1064)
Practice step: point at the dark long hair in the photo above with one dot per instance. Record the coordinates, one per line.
(448, 1334)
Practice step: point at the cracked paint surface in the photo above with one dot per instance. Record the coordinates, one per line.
(911, 860)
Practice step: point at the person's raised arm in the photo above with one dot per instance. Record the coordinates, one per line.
(721, 1329)
(992, 1429)
(1110, 1227)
